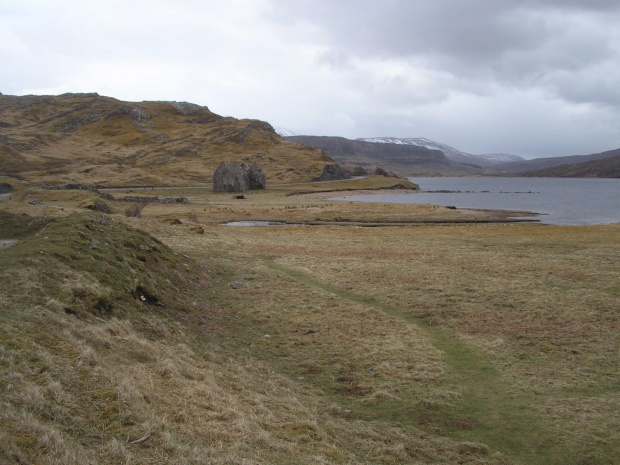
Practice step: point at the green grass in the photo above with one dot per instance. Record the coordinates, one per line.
(510, 376)
(486, 410)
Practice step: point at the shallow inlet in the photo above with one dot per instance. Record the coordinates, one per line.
(257, 223)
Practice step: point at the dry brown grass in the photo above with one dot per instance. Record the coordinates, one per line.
(540, 304)
(178, 382)
(427, 344)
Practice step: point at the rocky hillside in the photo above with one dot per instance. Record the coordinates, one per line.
(402, 159)
(102, 141)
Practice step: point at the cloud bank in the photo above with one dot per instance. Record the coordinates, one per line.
(534, 78)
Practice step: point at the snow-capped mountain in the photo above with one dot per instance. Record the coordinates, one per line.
(501, 157)
(283, 132)
(450, 152)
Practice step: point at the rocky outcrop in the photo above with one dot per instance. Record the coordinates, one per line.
(238, 178)
(333, 173)
(188, 109)
(5, 188)
(99, 207)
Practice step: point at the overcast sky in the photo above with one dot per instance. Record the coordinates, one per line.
(531, 77)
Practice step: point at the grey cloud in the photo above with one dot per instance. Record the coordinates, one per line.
(335, 59)
(519, 44)
(596, 86)
(522, 76)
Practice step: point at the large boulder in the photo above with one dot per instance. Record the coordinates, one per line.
(333, 173)
(238, 178)
(5, 188)
(258, 179)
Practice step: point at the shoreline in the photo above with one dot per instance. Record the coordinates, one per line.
(491, 213)
(326, 195)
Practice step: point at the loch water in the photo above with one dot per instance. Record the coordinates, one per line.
(562, 201)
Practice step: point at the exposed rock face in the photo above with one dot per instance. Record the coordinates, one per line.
(238, 178)
(234, 178)
(333, 173)
(187, 109)
(258, 179)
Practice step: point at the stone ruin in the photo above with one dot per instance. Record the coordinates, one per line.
(239, 178)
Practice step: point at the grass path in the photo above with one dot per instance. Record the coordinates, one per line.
(489, 411)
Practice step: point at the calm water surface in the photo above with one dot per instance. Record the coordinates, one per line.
(563, 201)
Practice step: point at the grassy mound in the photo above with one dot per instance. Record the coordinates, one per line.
(92, 266)
(86, 304)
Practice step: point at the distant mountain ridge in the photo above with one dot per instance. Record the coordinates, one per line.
(386, 154)
(601, 168)
(400, 158)
(536, 164)
(484, 160)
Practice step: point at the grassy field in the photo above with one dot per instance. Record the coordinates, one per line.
(427, 338)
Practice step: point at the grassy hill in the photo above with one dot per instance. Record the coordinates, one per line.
(87, 138)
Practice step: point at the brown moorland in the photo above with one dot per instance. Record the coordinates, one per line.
(417, 340)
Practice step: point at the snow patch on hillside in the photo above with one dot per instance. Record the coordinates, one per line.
(450, 152)
(283, 132)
